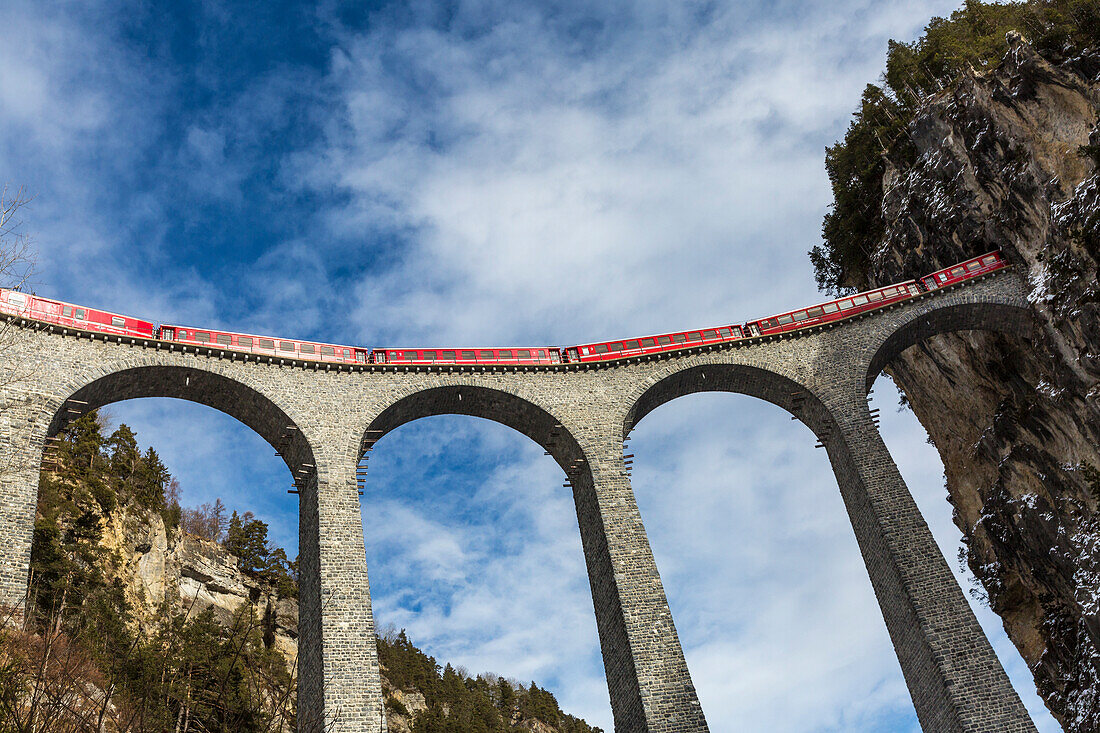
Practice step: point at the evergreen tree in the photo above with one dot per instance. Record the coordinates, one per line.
(247, 539)
(150, 480)
(123, 452)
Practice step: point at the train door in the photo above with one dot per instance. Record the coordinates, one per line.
(168, 334)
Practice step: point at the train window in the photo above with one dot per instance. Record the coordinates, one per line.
(504, 354)
(710, 334)
(485, 354)
(648, 342)
(223, 338)
(630, 344)
(447, 355)
(467, 355)
(410, 356)
(116, 321)
(829, 308)
(80, 314)
(724, 333)
(874, 296)
(990, 260)
(694, 337)
(245, 341)
(800, 316)
(617, 346)
(523, 354)
(19, 299)
(957, 271)
(306, 348)
(973, 265)
(859, 300)
(600, 348)
(202, 336)
(286, 346)
(663, 340)
(67, 311)
(679, 338)
(266, 343)
(327, 351)
(784, 320)
(542, 353)
(429, 356)
(815, 312)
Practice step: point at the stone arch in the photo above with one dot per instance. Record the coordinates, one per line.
(916, 593)
(553, 433)
(509, 409)
(771, 386)
(222, 389)
(1004, 314)
(210, 387)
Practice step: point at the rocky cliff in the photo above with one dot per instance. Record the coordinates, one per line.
(1007, 159)
(192, 574)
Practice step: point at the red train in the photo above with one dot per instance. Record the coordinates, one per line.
(530, 355)
(264, 345)
(73, 316)
(66, 314)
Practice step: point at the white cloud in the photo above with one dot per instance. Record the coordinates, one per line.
(672, 176)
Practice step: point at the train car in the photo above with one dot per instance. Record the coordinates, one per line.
(57, 312)
(606, 350)
(834, 310)
(964, 270)
(264, 345)
(529, 355)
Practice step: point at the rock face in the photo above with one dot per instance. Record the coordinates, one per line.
(1003, 164)
(190, 572)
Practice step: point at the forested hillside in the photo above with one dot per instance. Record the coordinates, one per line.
(144, 615)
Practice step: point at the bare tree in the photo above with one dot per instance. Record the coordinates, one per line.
(17, 254)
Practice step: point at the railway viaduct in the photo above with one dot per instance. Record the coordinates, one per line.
(322, 418)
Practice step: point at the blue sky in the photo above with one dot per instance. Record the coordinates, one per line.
(486, 173)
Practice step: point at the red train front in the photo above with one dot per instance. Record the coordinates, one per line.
(72, 316)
